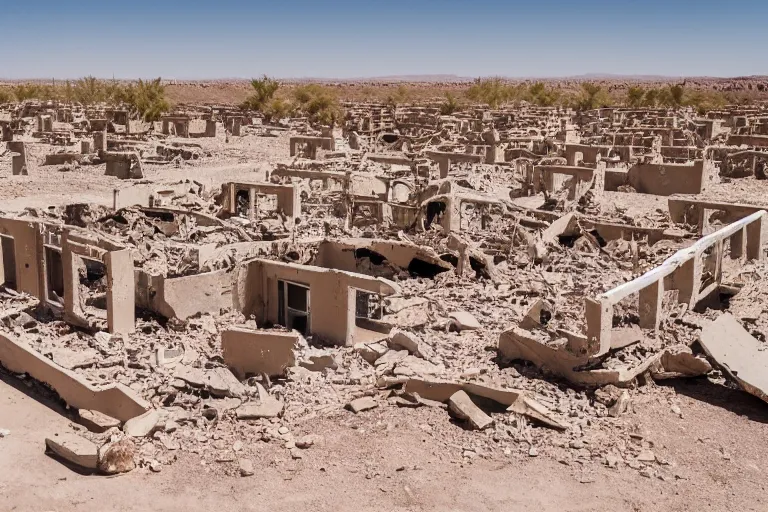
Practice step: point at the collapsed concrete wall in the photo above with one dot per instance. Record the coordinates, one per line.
(117, 401)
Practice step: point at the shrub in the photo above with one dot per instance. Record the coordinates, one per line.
(24, 92)
(450, 105)
(318, 103)
(89, 90)
(401, 95)
(540, 94)
(6, 95)
(148, 99)
(490, 91)
(277, 108)
(592, 96)
(264, 90)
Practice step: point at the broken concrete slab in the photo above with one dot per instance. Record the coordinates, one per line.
(218, 381)
(143, 425)
(403, 340)
(678, 362)
(74, 359)
(75, 449)
(462, 407)
(318, 360)
(515, 400)
(371, 352)
(97, 422)
(567, 225)
(250, 351)
(266, 407)
(362, 404)
(520, 344)
(740, 355)
(463, 321)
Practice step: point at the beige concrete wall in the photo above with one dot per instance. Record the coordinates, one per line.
(667, 179)
(183, 297)
(28, 252)
(249, 351)
(331, 295)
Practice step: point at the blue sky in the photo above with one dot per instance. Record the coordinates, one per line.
(364, 38)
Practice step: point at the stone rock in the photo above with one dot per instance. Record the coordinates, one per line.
(362, 404)
(371, 351)
(399, 339)
(117, 457)
(621, 405)
(74, 449)
(317, 360)
(218, 381)
(4, 432)
(143, 425)
(391, 357)
(96, 421)
(464, 408)
(646, 456)
(246, 467)
(463, 321)
(267, 407)
(307, 441)
(24, 320)
(608, 395)
(155, 466)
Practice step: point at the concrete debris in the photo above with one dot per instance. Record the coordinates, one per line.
(318, 360)
(371, 352)
(362, 404)
(249, 351)
(143, 425)
(463, 321)
(462, 406)
(740, 355)
(246, 467)
(74, 449)
(402, 340)
(266, 407)
(97, 422)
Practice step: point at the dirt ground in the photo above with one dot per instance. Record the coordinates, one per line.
(714, 453)
(387, 462)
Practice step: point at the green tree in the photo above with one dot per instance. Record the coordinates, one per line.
(635, 96)
(89, 90)
(592, 96)
(540, 94)
(24, 92)
(6, 95)
(490, 91)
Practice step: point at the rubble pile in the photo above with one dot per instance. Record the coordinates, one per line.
(516, 278)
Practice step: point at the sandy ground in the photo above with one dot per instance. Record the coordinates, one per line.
(372, 463)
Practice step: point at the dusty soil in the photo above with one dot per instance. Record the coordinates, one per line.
(386, 461)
